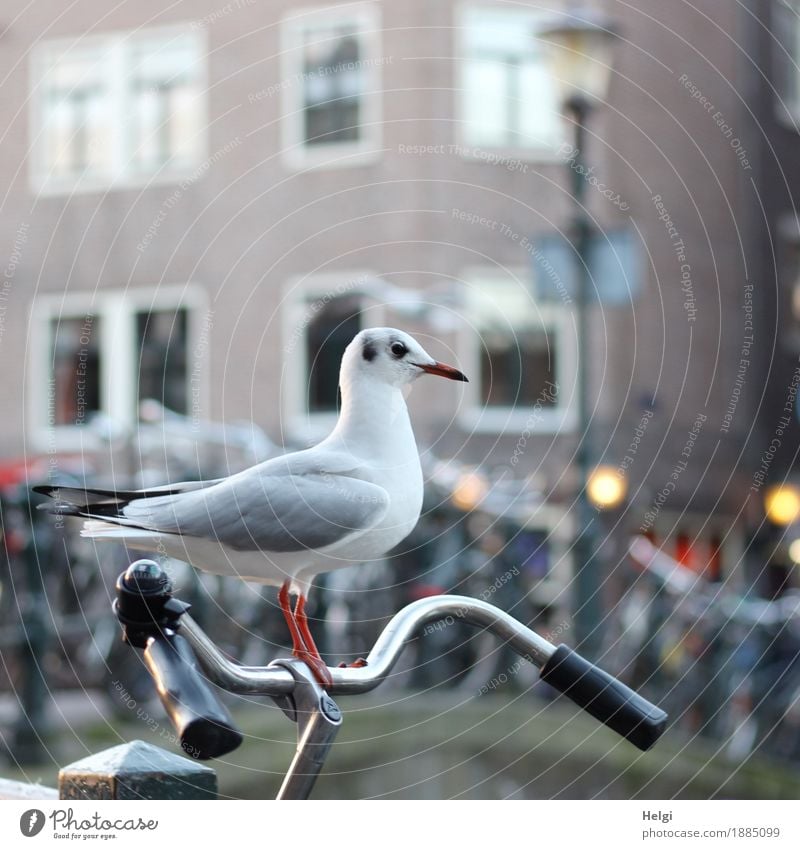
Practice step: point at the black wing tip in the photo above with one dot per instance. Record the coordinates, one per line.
(61, 507)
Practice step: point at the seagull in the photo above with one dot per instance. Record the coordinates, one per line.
(349, 499)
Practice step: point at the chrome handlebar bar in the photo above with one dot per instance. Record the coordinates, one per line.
(277, 681)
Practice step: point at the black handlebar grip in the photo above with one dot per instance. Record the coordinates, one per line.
(204, 726)
(604, 697)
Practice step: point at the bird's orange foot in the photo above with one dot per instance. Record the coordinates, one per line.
(317, 666)
(356, 664)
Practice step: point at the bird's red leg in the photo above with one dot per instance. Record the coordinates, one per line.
(302, 624)
(307, 652)
(298, 645)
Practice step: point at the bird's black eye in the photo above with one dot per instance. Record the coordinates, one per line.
(399, 350)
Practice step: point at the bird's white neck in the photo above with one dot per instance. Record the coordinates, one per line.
(374, 418)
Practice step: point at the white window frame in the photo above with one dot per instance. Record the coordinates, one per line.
(296, 318)
(558, 318)
(298, 155)
(121, 175)
(787, 103)
(116, 310)
(468, 150)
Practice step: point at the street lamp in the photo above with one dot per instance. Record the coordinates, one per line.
(578, 49)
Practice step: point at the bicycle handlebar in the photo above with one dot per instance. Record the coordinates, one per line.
(151, 618)
(597, 692)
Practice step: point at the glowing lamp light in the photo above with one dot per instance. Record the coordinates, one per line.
(606, 489)
(782, 504)
(469, 491)
(794, 551)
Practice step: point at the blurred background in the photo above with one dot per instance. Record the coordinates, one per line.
(589, 208)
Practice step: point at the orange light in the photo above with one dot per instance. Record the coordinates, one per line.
(469, 491)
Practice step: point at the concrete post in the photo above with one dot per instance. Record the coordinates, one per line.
(137, 770)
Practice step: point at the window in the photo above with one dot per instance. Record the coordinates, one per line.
(77, 123)
(162, 341)
(331, 100)
(329, 333)
(523, 355)
(164, 99)
(119, 108)
(518, 353)
(75, 357)
(322, 314)
(517, 370)
(507, 97)
(332, 85)
(104, 354)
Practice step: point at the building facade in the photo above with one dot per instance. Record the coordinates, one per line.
(203, 203)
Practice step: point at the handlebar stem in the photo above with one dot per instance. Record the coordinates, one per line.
(318, 721)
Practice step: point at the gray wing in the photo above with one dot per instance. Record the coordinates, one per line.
(273, 507)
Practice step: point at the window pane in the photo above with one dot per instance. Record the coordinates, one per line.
(485, 102)
(76, 129)
(166, 102)
(516, 371)
(75, 358)
(328, 335)
(507, 97)
(333, 84)
(538, 111)
(162, 337)
(518, 350)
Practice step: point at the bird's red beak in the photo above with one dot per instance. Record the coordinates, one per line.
(442, 370)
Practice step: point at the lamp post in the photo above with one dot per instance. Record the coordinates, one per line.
(578, 50)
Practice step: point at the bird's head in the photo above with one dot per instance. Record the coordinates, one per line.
(392, 357)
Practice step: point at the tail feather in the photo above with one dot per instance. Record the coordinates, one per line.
(98, 529)
(103, 508)
(82, 496)
(89, 503)
(79, 501)
(61, 508)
